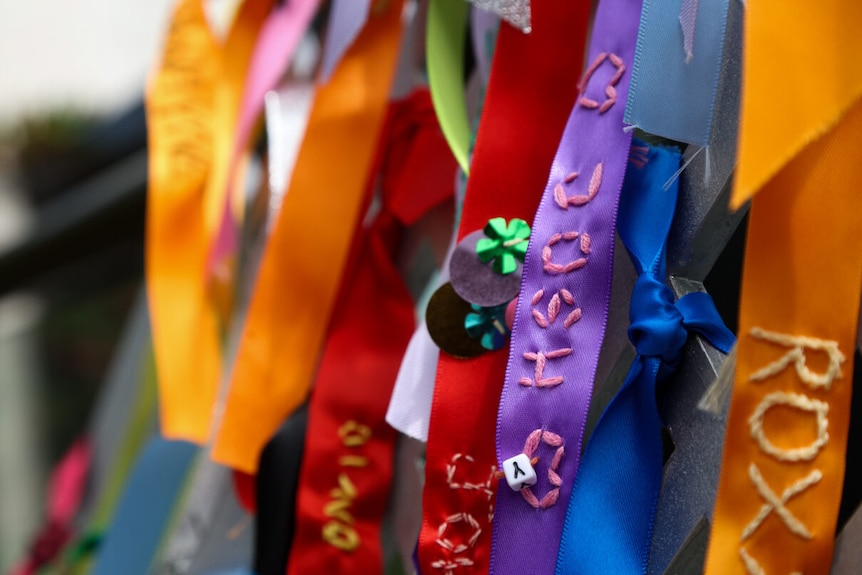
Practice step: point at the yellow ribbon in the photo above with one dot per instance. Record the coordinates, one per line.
(304, 259)
(192, 106)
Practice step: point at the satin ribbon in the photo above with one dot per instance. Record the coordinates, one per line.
(296, 286)
(143, 512)
(140, 420)
(784, 455)
(445, 41)
(522, 120)
(65, 492)
(276, 484)
(563, 305)
(192, 107)
(346, 19)
(675, 75)
(810, 55)
(800, 291)
(611, 513)
(410, 405)
(276, 43)
(346, 474)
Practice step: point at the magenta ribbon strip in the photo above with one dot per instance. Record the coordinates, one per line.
(279, 36)
(563, 305)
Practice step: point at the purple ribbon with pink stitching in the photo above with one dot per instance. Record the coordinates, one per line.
(563, 305)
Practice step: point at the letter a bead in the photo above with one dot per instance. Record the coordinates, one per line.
(519, 472)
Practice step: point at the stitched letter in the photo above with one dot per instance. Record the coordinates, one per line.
(773, 503)
(796, 401)
(796, 356)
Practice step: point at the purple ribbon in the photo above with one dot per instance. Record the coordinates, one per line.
(563, 305)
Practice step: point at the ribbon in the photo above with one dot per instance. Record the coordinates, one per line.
(278, 38)
(811, 53)
(346, 19)
(65, 492)
(445, 55)
(784, 455)
(296, 286)
(346, 473)
(515, 12)
(410, 406)
(192, 105)
(612, 509)
(675, 76)
(563, 304)
(276, 484)
(145, 508)
(522, 120)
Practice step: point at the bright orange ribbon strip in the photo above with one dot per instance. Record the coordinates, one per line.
(304, 259)
(784, 457)
(192, 106)
(801, 74)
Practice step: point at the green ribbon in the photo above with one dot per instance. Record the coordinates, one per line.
(445, 44)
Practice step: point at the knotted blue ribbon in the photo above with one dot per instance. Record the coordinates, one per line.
(610, 516)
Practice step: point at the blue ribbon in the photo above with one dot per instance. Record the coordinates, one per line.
(610, 516)
(672, 93)
(145, 508)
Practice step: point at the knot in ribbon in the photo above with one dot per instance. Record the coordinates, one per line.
(620, 473)
(505, 243)
(656, 328)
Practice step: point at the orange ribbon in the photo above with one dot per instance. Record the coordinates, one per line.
(801, 74)
(800, 132)
(192, 106)
(784, 457)
(304, 259)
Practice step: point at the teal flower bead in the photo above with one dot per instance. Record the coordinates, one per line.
(505, 244)
(489, 324)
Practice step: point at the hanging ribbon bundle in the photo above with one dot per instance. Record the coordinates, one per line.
(610, 516)
(505, 182)
(192, 106)
(296, 287)
(510, 368)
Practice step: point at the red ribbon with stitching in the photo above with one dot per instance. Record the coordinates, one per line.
(532, 88)
(347, 470)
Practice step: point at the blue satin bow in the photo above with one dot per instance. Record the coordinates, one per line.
(610, 517)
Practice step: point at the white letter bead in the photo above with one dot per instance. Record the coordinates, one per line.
(519, 472)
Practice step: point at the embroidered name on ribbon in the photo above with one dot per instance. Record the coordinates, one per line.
(562, 307)
(785, 447)
(339, 531)
(526, 105)
(804, 407)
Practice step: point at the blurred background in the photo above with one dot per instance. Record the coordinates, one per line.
(72, 184)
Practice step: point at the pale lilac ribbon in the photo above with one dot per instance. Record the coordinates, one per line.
(563, 305)
(346, 19)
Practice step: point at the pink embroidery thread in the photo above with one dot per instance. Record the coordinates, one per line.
(610, 90)
(554, 307)
(541, 359)
(565, 201)
(553, 440)
(547, 253)
(448, 565)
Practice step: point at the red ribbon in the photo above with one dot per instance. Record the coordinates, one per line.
(346, 473)
(531, 90)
